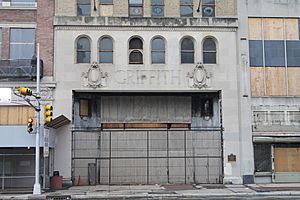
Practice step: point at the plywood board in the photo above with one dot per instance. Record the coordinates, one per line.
(255, 28)
(106, 10)
(287, 159)
(291, 29)
(145, 109)
(273, 29)
(15, 115)
(3, 115)
(294, 81)
(257, 81)
(275, 81)
(84, 107)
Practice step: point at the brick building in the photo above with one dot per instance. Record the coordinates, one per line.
(23, 24)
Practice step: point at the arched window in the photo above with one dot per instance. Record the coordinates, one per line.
(209, 51)
(135, 51)
(83, 50)
(187, 51)
(158, 51)
(106, 50)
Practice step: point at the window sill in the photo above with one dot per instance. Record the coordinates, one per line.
(262, 174)
(9, 6)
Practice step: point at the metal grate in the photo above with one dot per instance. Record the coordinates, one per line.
(59, 197)
(148, 156)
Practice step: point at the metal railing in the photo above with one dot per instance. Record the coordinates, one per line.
(19, 69)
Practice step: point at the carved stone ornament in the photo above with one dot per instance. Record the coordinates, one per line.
(94, 77)
(46, 93)
(199, 77)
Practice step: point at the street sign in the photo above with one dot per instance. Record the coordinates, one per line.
(5, 95)
(46, 142)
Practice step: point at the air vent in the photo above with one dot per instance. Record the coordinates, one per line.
(208, 11)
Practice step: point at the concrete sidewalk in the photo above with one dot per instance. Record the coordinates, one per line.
(254, 191)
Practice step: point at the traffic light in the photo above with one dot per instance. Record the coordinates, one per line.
(30, 125)
(48, 113)
(25, 91)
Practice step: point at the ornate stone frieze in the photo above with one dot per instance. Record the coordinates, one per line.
(198, 78)
(46, 94)
(94, 77)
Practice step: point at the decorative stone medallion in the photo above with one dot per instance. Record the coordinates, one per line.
(94, 77)
(198, 78)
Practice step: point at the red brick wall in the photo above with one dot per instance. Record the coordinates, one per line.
(5, 43)
(8, 15)
(43, 17)
(44, 33)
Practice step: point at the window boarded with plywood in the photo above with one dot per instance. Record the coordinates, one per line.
(294, 81)
(271, 67)
(275, 81)
(255, 25)
(257, 81)
(145, 109)
(292, 29)
(84, 107)
(15, 115)
(273, 28)
(287, 159)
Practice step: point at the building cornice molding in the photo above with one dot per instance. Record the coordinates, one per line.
(171, 23)
(154, 29)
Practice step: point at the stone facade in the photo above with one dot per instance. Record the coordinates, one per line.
(168, 78)
(226, 8)
(172, 8)
(65, 8)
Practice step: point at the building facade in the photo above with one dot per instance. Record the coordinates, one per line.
(154, 92)
(274, 48)
(23, 24)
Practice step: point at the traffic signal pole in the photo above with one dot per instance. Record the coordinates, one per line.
(37, 185)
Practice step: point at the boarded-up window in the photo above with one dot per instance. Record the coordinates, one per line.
(287, 159)
(84, 108)
(15, 115)
(145, 109)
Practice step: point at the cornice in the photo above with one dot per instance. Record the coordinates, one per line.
(145, 23)
(153, 29)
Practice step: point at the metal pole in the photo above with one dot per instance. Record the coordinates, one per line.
(3, 172)
(37, 185)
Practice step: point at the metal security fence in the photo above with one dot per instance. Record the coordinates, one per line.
(16, 170)
(147, 156)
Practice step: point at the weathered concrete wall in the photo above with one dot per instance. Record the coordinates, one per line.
(274, 8)
(277, 115)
